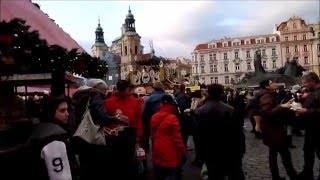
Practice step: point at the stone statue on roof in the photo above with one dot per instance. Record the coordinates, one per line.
(258, 68)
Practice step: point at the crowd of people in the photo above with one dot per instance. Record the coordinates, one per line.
(134, 125)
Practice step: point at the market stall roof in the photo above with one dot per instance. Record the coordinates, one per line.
(39, 21)
(40, 79)
(42, 89)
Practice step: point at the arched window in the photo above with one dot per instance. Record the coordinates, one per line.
(294, 26)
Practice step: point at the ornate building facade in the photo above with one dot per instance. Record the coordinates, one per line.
(128, 45)
(226, 61)
(316, 48)
(300, 41)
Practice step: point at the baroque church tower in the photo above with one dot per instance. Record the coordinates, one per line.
(131, 49)
(99, 48)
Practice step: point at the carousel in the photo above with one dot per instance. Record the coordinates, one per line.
(145, 72)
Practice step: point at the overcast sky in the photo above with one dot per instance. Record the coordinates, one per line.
(176, 27)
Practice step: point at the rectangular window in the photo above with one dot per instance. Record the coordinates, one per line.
(249, 66)
(215, 68)
(197, 69)
(295, 38)
(264, 64)
(225, 44)
(287, 50)
(226, 79)
(136, 49)
(262, 40)
(202, 58)
(234, 44)
(286, 38)
(248, 54)
(211, 80)
(214, 57)
(210, 57)
(306, 60)
(295, 48)
(202, 69)
(225, 56)
(125, 50)
(247, 42)
(272, 39)
(193, 69)
(236, 55)
(226, 68)
(258, 41)
(211, 68)
(204, 80)
(274, 64)
(318, 47)
(237, 66)
(304, 37)
(263, 52)
(273, 51)
(213, 46)
(305, 48)
(216, 80)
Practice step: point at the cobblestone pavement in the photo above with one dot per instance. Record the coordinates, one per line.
(256, 158)
(255, 162)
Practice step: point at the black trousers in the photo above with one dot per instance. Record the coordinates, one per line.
(219, 168)
(196, 141)
(114, 161)
(286, 159)
(253, 122)
(165, 173)
(311, 148)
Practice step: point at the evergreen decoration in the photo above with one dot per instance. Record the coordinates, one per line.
(28, 53)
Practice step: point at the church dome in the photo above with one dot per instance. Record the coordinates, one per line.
(99, 28)
(129, 15)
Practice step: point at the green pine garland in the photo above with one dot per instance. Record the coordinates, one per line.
(31, 54)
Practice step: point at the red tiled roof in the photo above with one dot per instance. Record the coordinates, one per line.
(37, 19)
(242, 41)
(201, 46)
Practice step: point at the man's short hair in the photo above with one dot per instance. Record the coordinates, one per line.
(311, 76)
(122, 85)
(215, 90)
(263, 84)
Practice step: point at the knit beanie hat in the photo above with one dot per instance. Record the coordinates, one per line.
(97, 84)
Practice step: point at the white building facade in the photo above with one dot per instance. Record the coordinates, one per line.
(226, 61)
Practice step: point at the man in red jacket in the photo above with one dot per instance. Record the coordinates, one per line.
(122, 101)
(168, 149)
